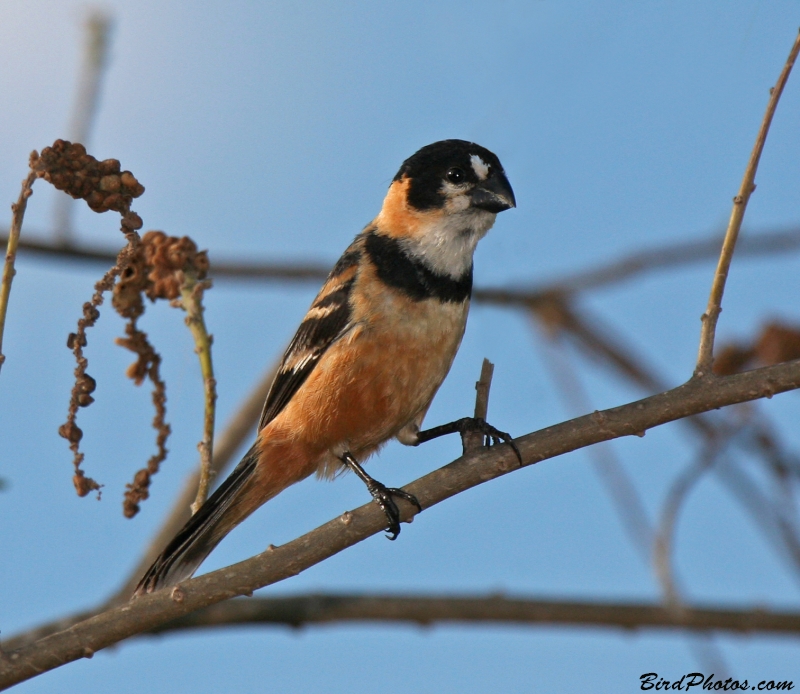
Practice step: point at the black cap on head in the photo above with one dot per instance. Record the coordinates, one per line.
(456, 160)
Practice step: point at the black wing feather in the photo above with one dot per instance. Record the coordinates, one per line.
(195, 541)
(313, 338)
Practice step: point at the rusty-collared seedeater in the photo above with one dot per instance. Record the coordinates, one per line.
(371, 352)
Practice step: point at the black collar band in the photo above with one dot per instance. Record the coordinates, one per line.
(410, 275)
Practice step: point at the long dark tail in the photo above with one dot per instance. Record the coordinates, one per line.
(202, 532)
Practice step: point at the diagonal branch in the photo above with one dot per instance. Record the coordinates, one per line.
(278, 563)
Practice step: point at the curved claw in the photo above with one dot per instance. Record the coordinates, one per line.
(383, 497)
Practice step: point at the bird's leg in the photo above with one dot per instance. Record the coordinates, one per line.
(381, 494)
(467, 425)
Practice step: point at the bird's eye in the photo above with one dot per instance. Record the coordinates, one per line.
(456, 175)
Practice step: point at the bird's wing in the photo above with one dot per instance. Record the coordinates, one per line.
(328, 319)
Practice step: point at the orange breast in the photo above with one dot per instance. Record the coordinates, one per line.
(375, 379)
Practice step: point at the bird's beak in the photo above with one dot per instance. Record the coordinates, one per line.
(494, 194)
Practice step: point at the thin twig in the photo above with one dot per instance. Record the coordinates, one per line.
(96, 49)
(709, 320)
(472, 440)
(192, 303)
(278, 563)
(482, 388)
(665, 536)
(18, 214)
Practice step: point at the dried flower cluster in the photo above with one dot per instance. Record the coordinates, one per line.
(101, 183)
(157, 270)
(154, 267)
(105, 187)
(147, 365)
(84, 383)
(776, 344)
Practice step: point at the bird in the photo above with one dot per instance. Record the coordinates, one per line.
(370, 353)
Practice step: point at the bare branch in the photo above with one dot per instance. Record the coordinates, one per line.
(675, 255)
(278, 563)
(665, 257)
(706, 352)
(425, 610)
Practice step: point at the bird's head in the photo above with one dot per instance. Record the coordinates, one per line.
(443, 200)
(454, 176)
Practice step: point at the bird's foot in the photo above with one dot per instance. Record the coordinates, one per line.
(469, 425)
(382, 495)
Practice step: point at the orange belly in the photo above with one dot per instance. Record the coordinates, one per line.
(367, 386)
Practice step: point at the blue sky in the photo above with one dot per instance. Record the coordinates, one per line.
(271, 130)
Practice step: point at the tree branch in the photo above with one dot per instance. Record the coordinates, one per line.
(278, 563)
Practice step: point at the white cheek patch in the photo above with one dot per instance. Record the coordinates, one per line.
(480, 167)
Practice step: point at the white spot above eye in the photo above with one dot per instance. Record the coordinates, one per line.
(480, 167)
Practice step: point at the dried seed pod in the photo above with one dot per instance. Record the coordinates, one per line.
(109, 166)
(110, 184)
(84, 485)
(84, 400)
(70, 431)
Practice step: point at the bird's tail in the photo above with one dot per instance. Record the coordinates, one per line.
(220, 514)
